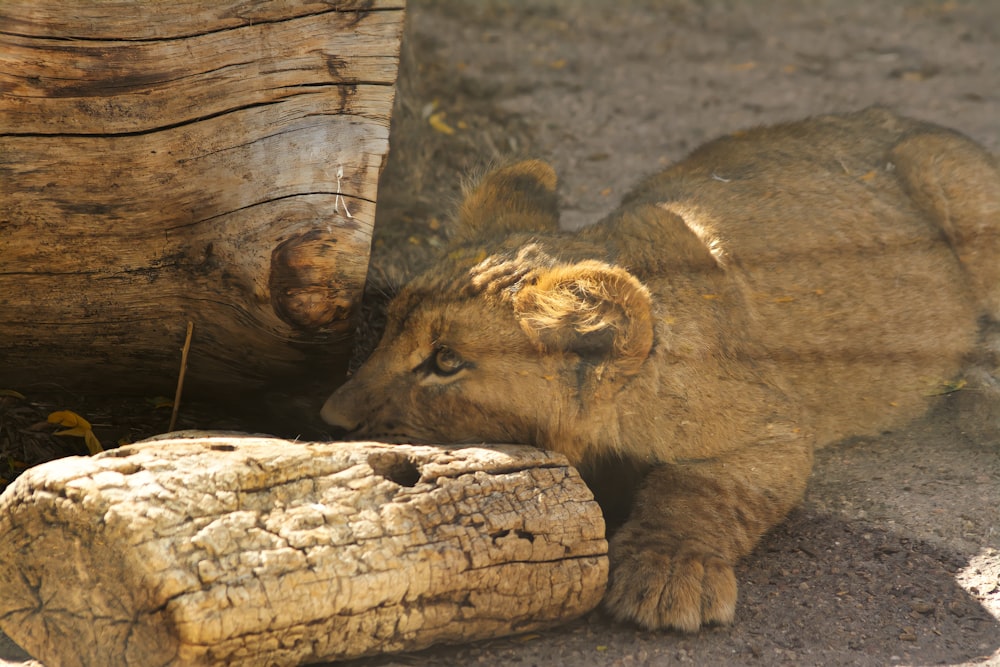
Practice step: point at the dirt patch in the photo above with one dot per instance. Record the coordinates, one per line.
(894, 558)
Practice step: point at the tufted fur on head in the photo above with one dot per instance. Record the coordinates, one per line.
(599, 312)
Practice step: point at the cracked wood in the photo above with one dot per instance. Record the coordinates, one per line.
(256, 551)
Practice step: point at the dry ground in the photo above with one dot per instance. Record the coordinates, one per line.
(894, 559)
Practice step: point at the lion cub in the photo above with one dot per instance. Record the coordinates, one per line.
(780, 288)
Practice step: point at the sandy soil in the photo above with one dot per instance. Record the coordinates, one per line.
(894, 559)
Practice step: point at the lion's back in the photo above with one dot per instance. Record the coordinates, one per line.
(864, 246)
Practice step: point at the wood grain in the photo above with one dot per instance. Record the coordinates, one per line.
(161, 162)
(127, 19)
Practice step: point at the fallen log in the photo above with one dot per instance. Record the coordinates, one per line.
(166, 162)
(256, 551)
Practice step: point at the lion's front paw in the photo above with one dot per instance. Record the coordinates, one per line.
(685, 589)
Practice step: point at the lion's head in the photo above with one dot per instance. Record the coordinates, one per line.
(513, 336)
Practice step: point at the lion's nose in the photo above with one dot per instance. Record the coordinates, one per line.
(335, 414)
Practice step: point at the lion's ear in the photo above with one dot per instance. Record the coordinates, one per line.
(518, 197)
(599, 312)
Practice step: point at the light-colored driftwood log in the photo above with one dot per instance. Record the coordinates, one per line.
(170, 161)
(256, 551)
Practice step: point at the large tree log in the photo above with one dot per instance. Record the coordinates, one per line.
(170, 161)
(255, 551)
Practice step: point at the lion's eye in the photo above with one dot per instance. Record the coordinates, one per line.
(445, 361)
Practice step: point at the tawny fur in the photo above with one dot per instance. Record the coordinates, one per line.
(780, 288)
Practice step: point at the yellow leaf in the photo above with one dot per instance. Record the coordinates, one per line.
(67, 418)
(437, 122)
(743, 67)
(77, 426)
(558, 64)
(11, 393)
(93, 444)
(949, 387)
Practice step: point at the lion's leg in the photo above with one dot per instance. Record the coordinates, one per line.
(672, 561)
(958, 184)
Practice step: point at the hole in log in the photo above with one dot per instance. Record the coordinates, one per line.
(396, 468)
(525, 535)
(518, 533)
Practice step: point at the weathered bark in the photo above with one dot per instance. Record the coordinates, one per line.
(170, 161)
(255, 551)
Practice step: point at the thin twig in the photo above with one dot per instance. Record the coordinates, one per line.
(180, 378)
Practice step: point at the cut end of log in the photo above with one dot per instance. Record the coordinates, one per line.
(307, 285)
(250, 550)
